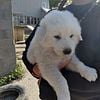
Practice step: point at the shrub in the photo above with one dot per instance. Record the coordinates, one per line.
(18, 73)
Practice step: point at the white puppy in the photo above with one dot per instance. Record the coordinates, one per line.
(55, 40)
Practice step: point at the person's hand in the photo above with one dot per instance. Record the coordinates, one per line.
(36, 71)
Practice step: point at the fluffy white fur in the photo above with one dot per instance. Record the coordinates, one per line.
(58, 31)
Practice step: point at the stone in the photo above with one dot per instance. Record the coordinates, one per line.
(7, 49)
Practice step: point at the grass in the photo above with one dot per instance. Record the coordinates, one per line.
(18, 73)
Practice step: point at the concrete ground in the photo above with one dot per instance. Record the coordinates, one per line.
(30, 84)
(28, 81)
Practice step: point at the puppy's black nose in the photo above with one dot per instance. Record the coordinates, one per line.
(67, 51)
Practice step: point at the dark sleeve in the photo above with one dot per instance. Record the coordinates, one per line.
(28, 65)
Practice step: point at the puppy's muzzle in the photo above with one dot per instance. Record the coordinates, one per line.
(67, 51)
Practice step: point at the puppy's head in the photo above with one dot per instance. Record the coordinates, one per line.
(62, 32)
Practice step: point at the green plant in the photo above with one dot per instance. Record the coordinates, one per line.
(18, 73)
(54, 3)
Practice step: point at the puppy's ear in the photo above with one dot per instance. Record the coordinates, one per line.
(45, 38)
(42, 35)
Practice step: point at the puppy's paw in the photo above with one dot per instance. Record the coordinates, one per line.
(89, 74)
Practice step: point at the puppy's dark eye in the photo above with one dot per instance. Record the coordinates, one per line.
(71, 35)
(57, 37)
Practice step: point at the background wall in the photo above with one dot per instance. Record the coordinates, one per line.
(7, 49)
(29, 7)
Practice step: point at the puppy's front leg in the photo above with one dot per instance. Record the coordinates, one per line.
(87, 72)
(52, 74)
